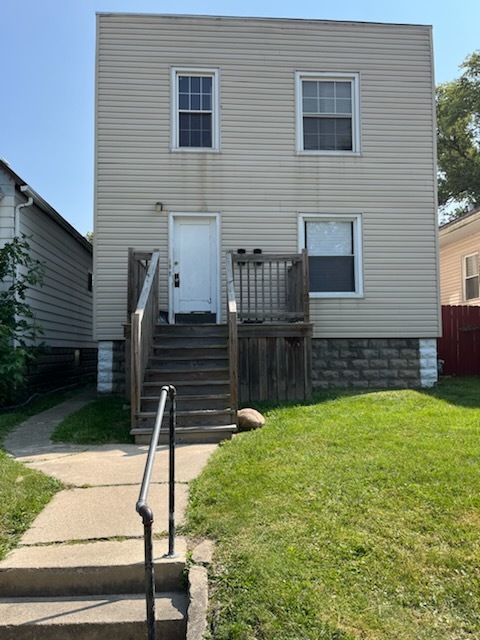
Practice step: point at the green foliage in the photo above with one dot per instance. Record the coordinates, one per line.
(353, 517)
(458, 138)
(18, 329)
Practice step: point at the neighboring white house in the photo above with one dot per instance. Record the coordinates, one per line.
(63, 305)
(216, 133)
(459, 260)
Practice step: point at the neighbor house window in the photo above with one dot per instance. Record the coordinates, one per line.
(327, 113)
(195, 117)
(470, 270)
(334, 251)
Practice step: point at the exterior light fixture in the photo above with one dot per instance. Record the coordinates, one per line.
(158, 207)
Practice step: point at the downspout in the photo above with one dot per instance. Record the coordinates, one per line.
(28, 203)
(16, 232)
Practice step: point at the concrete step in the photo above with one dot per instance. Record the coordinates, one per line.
(90, 591)
(95, 568)
(95, 617)
(183, 435)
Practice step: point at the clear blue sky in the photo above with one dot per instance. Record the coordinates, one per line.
(47, 74)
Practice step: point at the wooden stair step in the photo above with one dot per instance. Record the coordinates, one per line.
(191, 330)
(194, 413)
(174, 376)
(198, 434)
(194, 361)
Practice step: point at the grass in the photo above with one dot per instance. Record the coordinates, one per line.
(357, 516)
(100, 422)
(23, 492)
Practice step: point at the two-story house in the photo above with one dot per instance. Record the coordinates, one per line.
(218, 135)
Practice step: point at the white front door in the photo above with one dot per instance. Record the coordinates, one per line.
(194, 265)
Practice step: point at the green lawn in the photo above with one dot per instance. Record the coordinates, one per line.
(23, 492)
(357, 516)
(102, 421)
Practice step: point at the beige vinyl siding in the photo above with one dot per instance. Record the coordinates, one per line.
(7, 208)
(63, 305)
(451, 269)
(257, 183)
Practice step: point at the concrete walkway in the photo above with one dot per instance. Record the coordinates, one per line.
(103, 482)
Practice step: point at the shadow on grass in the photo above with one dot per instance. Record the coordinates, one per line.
(464, 391)
(461, 391)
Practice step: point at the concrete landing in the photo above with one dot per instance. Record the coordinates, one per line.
(79, 570)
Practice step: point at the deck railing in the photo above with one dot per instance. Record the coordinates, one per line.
(232, 334)
(268, 327)
(143, 321)
(270, 288)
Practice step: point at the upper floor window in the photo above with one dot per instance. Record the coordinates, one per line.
(471, 279)
(328, 119)
(195, 110)
(334, 251)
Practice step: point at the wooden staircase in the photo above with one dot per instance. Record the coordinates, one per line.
(195, 359)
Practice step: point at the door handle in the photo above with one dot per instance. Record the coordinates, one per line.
(176, 280)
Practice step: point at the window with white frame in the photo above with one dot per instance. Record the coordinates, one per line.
(195, 117)
(471, 279)
(334, 251)
(327, 113)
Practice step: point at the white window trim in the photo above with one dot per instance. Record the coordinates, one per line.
(326, 76)
(174, 132)
(356, 218)
(464, 275)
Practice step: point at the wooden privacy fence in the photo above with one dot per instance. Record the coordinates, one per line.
(459, 347)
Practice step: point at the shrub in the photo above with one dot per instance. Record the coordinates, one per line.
(19, 332)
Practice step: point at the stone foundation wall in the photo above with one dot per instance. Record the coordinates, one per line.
(373, 362)
(111, 367)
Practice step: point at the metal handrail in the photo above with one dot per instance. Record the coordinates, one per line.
(145, 511)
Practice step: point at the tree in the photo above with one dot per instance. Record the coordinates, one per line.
(89, 236)
(18, 329)
(458, 138)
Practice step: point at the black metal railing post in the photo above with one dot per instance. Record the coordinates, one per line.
(171, 475)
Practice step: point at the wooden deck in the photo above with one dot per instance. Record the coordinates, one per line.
(267, 351)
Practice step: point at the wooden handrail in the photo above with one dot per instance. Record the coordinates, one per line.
(143, 321)
(232, 333)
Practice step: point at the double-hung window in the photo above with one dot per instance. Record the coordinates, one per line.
(327, 113)
(195, 117)
(471, 277)
(334, 247)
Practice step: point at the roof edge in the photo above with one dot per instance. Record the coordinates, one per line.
(45, 206)
(260, 18)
